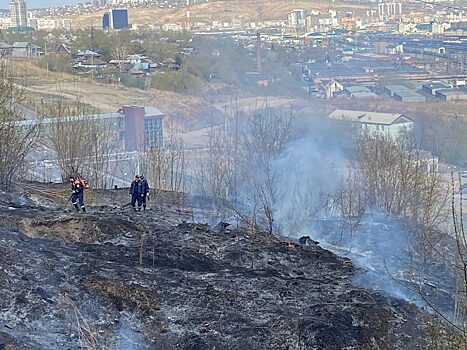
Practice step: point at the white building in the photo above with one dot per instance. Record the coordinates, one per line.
(297, 18)
(50, 24)
(389, 8)
(5, 22)
(18, 13)
(391, 124)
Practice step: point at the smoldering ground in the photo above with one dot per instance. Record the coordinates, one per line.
(308, 173)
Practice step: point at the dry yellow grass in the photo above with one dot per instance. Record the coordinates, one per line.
(185, 109)
(221, 11)
(188, 110)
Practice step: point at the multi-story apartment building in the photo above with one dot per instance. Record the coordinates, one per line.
(5, 22)
(50, 24)
(297, 18)
(18, 13)
(389, 8)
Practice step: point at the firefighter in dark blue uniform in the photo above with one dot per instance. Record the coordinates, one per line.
(77, 195)
(137, 192)
(145, 184)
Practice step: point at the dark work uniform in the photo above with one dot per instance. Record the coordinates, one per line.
(145, 191)
(77, 196)
(137, 193)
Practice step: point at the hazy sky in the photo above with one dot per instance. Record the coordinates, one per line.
(40, 3)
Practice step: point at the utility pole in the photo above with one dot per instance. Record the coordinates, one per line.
(92, 37)
(258, 51)
(92, 53)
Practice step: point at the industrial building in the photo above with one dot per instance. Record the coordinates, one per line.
(451, 95)
(359, 92)
(409, 96)
(137, 128)
(392, 89)
(363, 69)
(403, 93)
(434, 86)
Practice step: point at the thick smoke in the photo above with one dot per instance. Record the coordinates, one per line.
(308, 173)
(306, 176)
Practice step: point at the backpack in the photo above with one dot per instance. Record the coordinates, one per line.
(83, 183)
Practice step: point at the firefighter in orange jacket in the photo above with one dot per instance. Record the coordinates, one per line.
(77, 194)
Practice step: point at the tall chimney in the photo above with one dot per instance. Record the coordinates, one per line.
(258, 51)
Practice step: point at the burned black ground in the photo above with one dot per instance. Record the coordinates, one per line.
(115, 279)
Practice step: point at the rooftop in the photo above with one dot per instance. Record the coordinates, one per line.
(20, 44)
(437, 85)
(369, 117)
(406, 93)
(396, 87)
(357, 88)
(150, 111)
(45, 121)
(451, 92)
(364, 94)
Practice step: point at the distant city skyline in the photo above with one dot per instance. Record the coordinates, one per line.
(41, 3)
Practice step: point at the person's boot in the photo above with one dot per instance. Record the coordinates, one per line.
(144, 207)
(134, 208)
(139, 208)
(83, 209)
(76, 207)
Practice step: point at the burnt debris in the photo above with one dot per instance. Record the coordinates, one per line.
(115, 279)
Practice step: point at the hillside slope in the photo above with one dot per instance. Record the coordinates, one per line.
(221, 11)
(115, 279)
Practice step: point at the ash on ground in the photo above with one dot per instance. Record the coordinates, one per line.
(115, 279)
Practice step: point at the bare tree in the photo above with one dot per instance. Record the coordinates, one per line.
(120, 54)
(398, 179)
(176, 155)
(68, 132)
(460, 262)
(165, 167)
(266, 136)
(351, 204)
(84, 142)
(16, 139)
(104, 144)
(242, 161)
